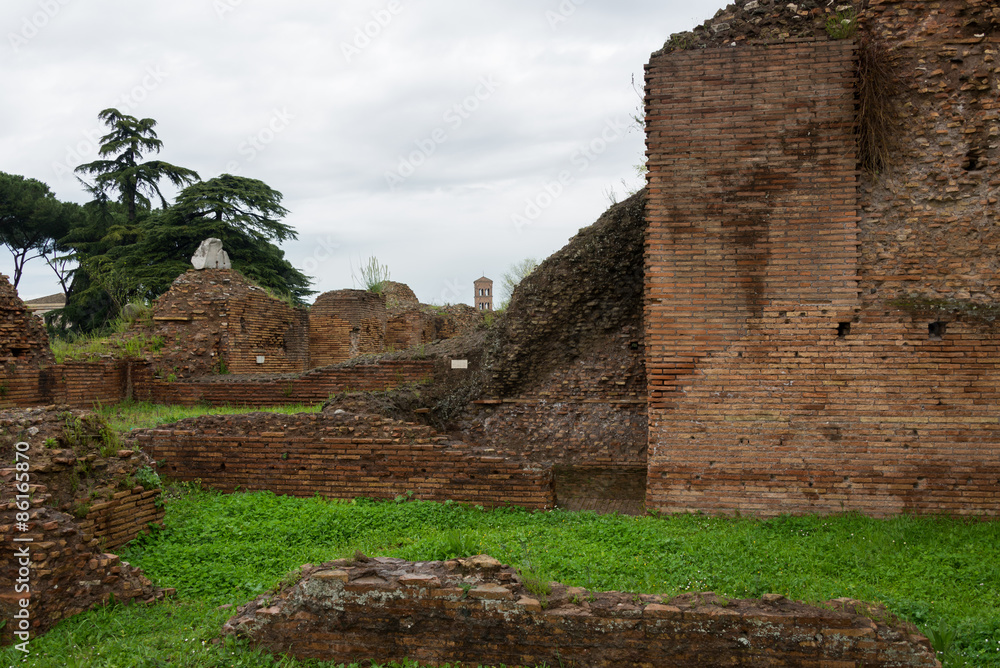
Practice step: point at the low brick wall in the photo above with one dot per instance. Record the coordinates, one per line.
(477, 611)
(341, 456)
(124, 517)
(310, 387)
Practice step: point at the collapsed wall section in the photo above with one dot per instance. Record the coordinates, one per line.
(386, 609)
(341, 455)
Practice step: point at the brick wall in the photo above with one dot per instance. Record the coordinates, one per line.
(70, 571)
(794, 339)
(342, 456)
(408, 328)
(23, 341)
(344, 324)
(216, 314)
(387, 609)
(309, 387)
(126, 515)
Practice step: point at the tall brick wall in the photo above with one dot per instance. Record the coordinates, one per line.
(341, 455)
(386, 609)
(344, 324)
(800, 357)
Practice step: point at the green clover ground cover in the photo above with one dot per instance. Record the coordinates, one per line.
(943, 574)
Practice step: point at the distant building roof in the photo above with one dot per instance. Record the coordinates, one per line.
(57, 299)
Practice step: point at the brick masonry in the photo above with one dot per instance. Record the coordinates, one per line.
(794, 310)
(477, 611)
(344, 324)
(23, 341)
(215, 317)
(341, 455)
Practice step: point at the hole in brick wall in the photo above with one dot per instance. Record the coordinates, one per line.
(843, 329)
(974, 160)
(935, 330)
(634, 345)
(773, 478)
(906, 446)
(222, 466)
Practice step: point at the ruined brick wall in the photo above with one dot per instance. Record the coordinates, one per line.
(124, 516)
(786, 373)
(23, 341)
(344, 324)
(408, 328)
(386, 609)
(216, 314)
(312, 386)
(341, 455)
(65, 498)
(70, 572)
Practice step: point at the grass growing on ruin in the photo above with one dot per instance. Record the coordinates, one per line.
(943, 574)
(143, 415)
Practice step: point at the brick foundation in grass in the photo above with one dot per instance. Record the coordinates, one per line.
(478, 612)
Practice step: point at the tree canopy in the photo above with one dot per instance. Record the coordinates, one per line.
(122, 168)
(32, 220)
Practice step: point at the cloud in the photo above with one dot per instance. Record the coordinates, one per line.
(229, 68)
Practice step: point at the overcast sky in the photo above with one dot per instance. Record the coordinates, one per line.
(448, 139)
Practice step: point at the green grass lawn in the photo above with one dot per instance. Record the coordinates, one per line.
(942, 574)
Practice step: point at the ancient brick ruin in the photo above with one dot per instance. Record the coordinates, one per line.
(341, 455)
(476, 611)
(81, 499)
(820, 339)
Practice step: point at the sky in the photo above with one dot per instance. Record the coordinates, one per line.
(446, 139)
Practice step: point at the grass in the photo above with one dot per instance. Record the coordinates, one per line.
(942, 574)
(143, 415)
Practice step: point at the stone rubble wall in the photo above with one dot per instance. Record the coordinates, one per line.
(479, 612)
(341, 455)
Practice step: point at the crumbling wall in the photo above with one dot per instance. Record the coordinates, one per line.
(23, 341)
(67, 493)
(344, 324)
(215, 321)
(564, 380)
(386, 609)
(341, 455)
(799, 356)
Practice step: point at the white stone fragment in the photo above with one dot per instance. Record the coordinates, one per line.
(210, 255)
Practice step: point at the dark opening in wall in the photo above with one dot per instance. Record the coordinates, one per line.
(843, 329)
(935, 330)
(974, 160)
